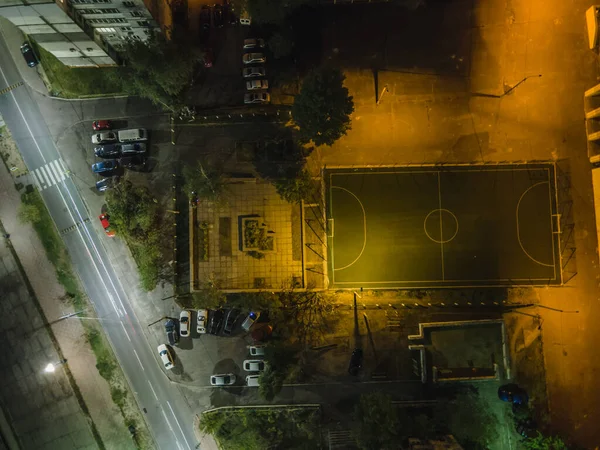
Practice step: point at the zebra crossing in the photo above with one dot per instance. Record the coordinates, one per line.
(50, 174)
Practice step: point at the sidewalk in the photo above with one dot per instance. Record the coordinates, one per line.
(69, 333)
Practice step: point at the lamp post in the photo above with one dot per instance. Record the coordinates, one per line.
(51, 367)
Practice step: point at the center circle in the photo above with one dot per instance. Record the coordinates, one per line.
(441, 226)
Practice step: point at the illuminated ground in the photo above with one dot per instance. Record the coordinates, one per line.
(456, 226)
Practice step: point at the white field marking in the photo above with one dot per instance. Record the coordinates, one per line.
(441, 222)
(180, 429)
(125, 331)
(153, 391)
(23, 117)
(138, 358)
(518, 231)
(364, 227)
(49, 170)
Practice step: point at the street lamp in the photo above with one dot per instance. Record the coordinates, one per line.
(51, 367)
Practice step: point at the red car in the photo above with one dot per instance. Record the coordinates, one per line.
(209, 57)
(99, 125)
(106, 225)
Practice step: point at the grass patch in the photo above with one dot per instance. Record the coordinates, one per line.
(33, 210)
(261, 428)
(77, 82)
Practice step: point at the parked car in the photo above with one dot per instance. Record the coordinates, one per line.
(513, 393)
(356, 361)
(205, 17)
(132, 135)
(137, 162)
(165, 356)
(208, 58)
(252, 380)
(262, 97)
(109, 151)
(201, 321)
(184, 323)
(224, 379)
(30, 57)
(253, 43)
(218, 18)
(230, 319)
(106, 183)
(171, 330)
(104, 138)
(257, 84)
(136, 148)
(250, 72)
(100, 125)
(254, 58)
(105, 166)
(254, 365)
(106, 225)
(252, 317)
(229, 14)
(257, 350)
(216, 321)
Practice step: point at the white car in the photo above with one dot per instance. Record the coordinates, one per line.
(263, 97)
(201, 322)
(254, 365)
(104, 138)
(250, 72)
(224, 379)
(165, 356)
(257, 350)
(257, 84)
(252, 43)
(252, 58)
(184, 323)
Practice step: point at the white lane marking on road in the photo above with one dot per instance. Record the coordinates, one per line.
(127, 334)
(179, 425)
(139, 360)
(44, 176)
(57, 170)
(169, 423)
(48, 170)
(153, 391)
(12, 94)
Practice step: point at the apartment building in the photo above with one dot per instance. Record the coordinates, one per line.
(81, 33)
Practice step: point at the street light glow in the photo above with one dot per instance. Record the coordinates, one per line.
(50, 368)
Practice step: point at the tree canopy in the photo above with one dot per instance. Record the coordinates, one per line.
(157, 69)
(322, 109)
(204, 181)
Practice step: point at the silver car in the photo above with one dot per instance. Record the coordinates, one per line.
(251, 72)
(263, 97)
(253, 58)
(224, 379)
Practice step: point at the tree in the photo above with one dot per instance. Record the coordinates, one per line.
(280, 45)
(270, 383)
(298, 188)
(29, 213)
(541, 442)
(377, 422)
(204, 181)
(157, 69)
(322, 110)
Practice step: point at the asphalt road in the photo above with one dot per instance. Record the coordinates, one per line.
(168, 415)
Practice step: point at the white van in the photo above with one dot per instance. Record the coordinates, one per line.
(134, 134)
(252, 380)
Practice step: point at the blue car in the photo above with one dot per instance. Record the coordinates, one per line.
(105, 166)
(514, 394)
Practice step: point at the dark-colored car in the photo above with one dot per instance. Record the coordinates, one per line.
(205, 17)
(230, 16)
(106, 183)
(109, 151)
(30, 57)
(137, 162)
(105, 166)
(172, 333)
(230, 319)
(514, 394)
(216, 321)
(136, 148)
(356, 361)
(218, 17)
(208, 58)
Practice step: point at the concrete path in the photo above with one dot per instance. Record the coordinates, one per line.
(55, 399)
